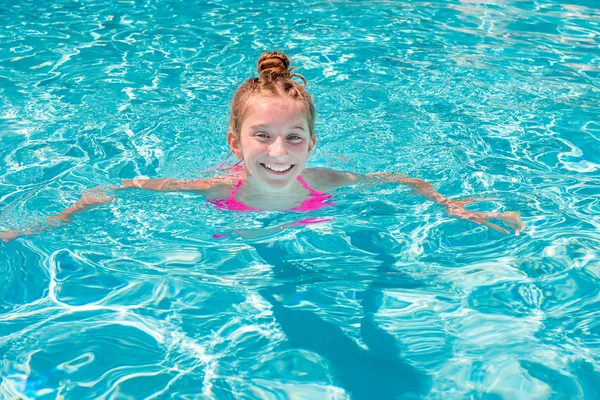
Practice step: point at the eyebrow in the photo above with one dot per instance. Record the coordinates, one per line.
(267, 126)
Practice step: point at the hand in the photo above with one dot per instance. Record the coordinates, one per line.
(456, 208)
(9, 235)
(95, 197)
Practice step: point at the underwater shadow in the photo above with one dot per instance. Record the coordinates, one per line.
(376, 372)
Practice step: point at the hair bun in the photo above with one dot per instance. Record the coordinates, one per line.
(273, 65)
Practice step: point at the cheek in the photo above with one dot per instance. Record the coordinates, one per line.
(252, 148)
(301, 148)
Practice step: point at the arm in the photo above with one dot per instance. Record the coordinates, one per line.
(100, 195)
(419, 186)
(93, 198)
(454, 208)
(174, 185)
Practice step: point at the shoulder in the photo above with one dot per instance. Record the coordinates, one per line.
(325, 179)
(213, 188)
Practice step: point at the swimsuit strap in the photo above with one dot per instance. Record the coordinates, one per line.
(315, 201)
(238, 184)
(231, 203)
(313, 192)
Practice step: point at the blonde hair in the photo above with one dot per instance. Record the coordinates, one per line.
(274, 80)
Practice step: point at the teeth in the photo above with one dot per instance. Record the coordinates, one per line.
(278, 168)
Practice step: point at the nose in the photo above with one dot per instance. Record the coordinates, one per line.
(277, 148)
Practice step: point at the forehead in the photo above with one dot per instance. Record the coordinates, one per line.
(267, 110)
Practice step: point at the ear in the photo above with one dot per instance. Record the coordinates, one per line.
(234, 144)
(312, 143)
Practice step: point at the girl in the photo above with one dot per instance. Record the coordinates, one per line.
(272, 135)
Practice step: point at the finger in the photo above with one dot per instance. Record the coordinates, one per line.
(513, 215)
(517, 226)
(494, 227)
(475, 216)
(519, 229)
(513, 219)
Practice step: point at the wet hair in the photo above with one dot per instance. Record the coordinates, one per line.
(274, 80)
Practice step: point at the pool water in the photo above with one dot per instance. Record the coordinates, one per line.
(389, 299)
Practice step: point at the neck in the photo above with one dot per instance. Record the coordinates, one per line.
(253, 187)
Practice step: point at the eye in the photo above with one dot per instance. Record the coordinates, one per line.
(294, 138)
(262, 135)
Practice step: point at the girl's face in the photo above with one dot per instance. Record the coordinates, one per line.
(274, 142)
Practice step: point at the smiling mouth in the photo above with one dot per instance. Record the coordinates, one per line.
(278, 169)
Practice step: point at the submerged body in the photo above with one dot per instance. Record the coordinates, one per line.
(314, 201)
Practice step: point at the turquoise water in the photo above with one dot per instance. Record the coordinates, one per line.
(391, 298)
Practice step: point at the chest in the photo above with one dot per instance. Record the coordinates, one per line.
(268, 202)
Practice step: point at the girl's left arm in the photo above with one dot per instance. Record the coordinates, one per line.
(454, 208)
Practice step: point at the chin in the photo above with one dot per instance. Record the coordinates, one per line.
(277, 183)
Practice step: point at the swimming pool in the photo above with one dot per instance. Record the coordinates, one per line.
(391, 298)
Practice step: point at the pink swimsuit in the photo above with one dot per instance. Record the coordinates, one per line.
(314, 202)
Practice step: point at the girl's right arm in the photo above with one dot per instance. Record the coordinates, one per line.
(100, 195)
(90, 199)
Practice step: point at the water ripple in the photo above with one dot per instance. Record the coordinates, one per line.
(482, 98)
